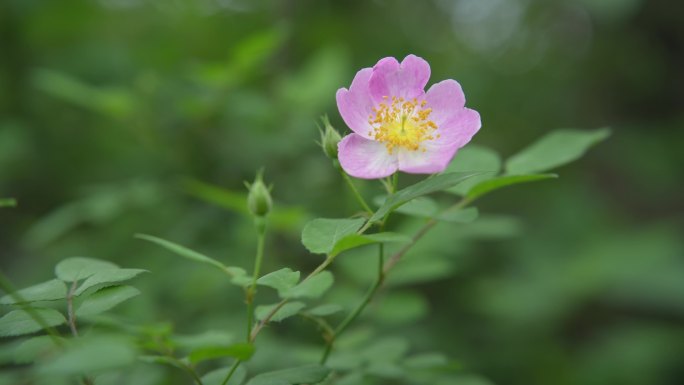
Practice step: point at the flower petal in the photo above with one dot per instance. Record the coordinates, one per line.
(459, 128)
(434, 159)
(446, 98)
(454, 133)
(355, 104)
(365, 159)
(406, 80)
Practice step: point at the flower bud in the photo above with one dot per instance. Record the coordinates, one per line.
(259, 198)
(329, 139)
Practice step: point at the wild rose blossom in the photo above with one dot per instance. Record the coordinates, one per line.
(397, 125)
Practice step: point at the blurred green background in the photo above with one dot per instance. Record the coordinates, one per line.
(123, 116)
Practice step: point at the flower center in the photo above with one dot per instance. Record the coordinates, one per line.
(402, 123)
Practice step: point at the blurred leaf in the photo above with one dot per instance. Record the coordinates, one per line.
(386, 350)
(239, 276)
(427, 186)
(474, 158)
(8, 202)
(282, 218)
(503, 181)
(385, 369)
(325, 310)
(46, 291)
(313, 287)
(553, 150)
(78, 268)
(466, 215)
(105, 299)
(92, 354)
(309, 374)
(34, 348)
(426, 361)
(320, 77)
(357, 240)
(216, 377)
(108, 277)
(423, 207)
(242, 351)
(204, 339)
(163, 360)
(401, 307)
(257, 47)
(99, 207)
(286, 311)
(116, 102)
(492, 227)
(415, 270)
(19, 322)
(281, 280)
(321, 235)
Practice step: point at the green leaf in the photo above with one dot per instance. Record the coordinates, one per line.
(386, 350)
(309, 374)
(19, 322)
(553, 150)
(106, 299)
(282, 217)
(239, 276)
(286, 311)
(46, 291)
(474, 158)
(313, 287)
(78, 268)
(466, 215)
(163, 360)
(205, 339)
(242, 351)
(8, 202)
(92, 354)
(426, 361)
(34, 348)
(423, 207)
(504, 181)
(108, 277)
(216, 377)
(357, 240)
(321, 235)
(280, 280)
(427, 186)
(325, 310)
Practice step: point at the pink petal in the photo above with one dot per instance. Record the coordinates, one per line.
(406, 80)
(435, 159)
(446, 98)
(356, 104)
(365, 159)
(458, 129)
(454, 133)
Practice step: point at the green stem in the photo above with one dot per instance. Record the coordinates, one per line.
(394, 259)
(7, 286)
(282, 303)
(383, 270)
(251, 291)
(362, 305)
(187, 369)
(357, 195)
(231, 371)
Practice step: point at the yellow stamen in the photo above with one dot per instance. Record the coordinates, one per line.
(403, 123)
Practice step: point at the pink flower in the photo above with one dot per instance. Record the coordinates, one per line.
(397, 125)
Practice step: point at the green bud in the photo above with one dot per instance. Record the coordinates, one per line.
(259, 199)
(329, 139)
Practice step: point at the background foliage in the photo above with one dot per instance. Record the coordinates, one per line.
(124, 116)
